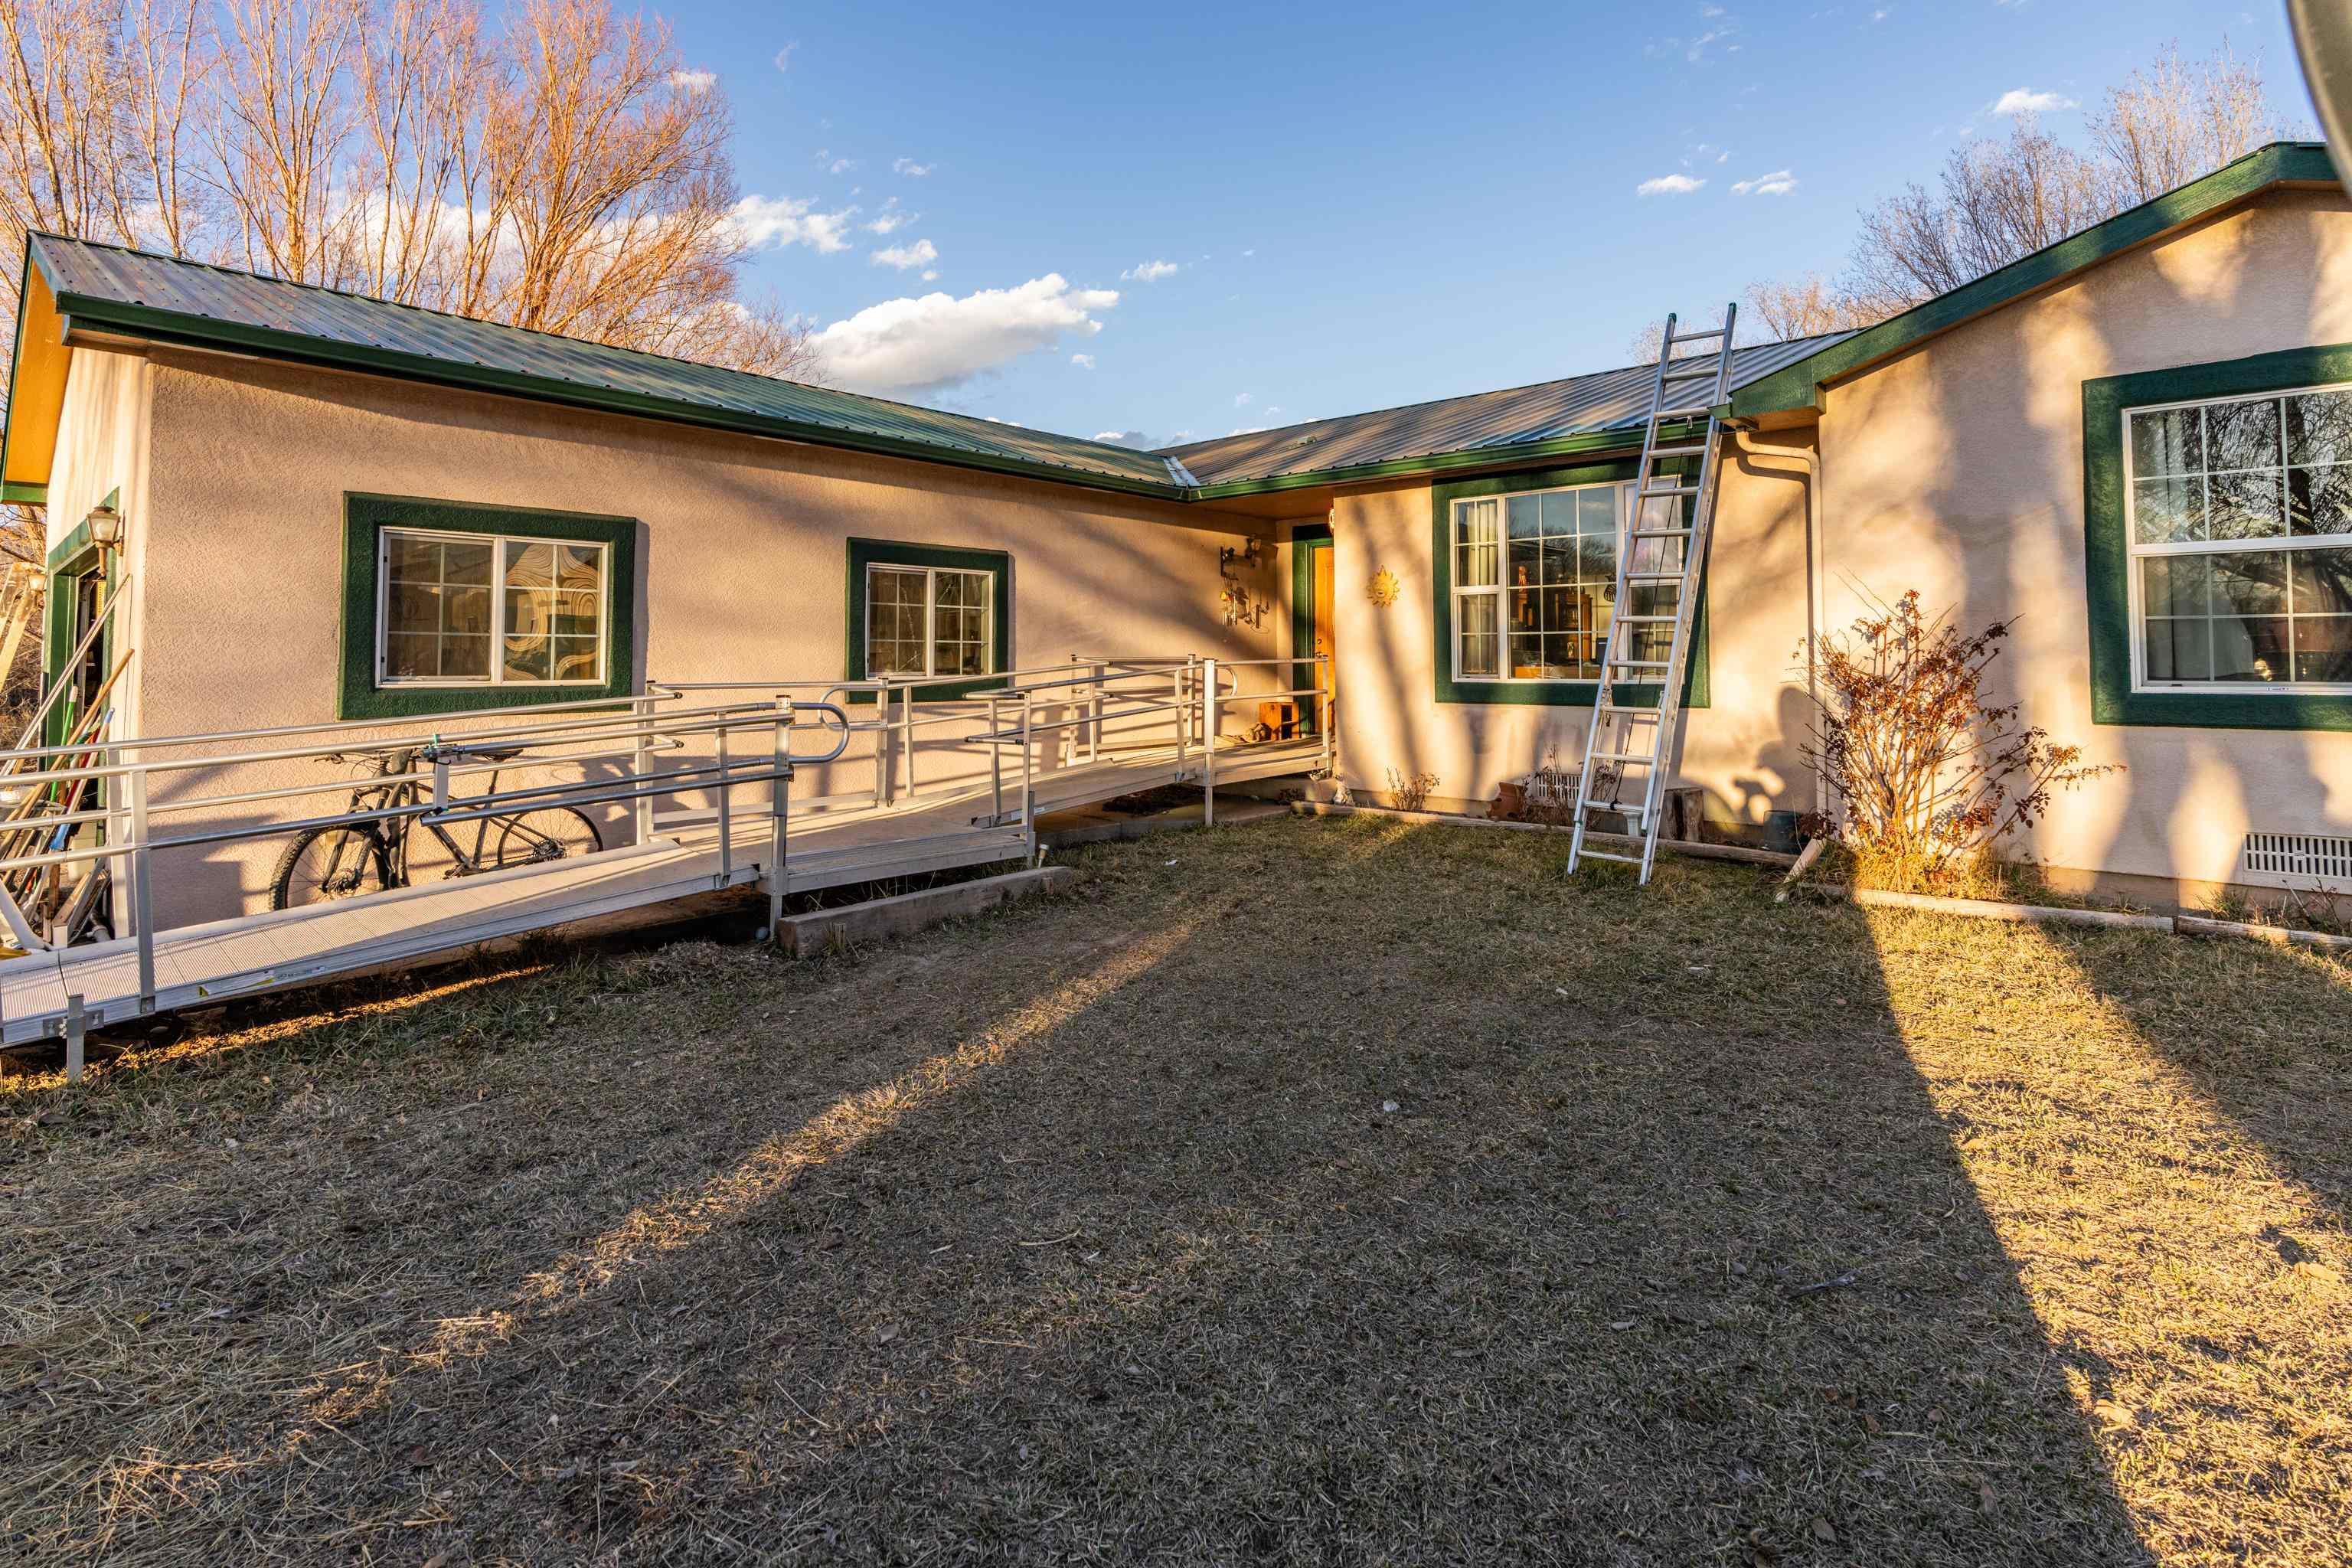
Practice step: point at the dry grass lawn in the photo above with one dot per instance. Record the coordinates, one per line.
(1315, 1192)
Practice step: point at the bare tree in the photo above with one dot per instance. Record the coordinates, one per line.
(1780, 308)
(1997, 202)
(93, 106)
(2176, 120)
(280, 114)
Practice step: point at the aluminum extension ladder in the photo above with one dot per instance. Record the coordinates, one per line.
(1628, 751)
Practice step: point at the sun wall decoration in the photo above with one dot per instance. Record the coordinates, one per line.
(1383, 591)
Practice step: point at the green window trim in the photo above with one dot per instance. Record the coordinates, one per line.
(365, 517)
(1543, 693)
(866, 552)
(2107, 549)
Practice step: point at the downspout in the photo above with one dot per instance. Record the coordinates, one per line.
(1814, 611)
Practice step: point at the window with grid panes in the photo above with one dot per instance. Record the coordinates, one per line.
(928, 621)
(1535, 582)
(465, 609)
(2240, 522)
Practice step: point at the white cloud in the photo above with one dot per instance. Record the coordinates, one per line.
(1668, 186)
(1243, 399)
(891, 218)
(2023, 100)
(784, 57)
(906, 258)
(696, 82)
(1779, 183)
(1245, 429)
(937, 341)
(839, 165)
(1084, 362)
(911, 169)
(930, 275)
(1151, 271)
(779, 221)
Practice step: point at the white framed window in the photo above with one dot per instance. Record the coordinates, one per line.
(484, 609)
(929, 621)
(1535, 582)
(2239, 513)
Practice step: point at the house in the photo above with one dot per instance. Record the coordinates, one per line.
(2137, 443)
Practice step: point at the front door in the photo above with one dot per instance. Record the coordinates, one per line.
(1311, 619)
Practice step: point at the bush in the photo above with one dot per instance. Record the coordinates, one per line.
(1930, 775)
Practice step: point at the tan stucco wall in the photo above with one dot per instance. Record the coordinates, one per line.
(741, 557)
(1958, 470)
(1741, 749)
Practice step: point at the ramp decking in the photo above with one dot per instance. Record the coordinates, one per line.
(828, 847)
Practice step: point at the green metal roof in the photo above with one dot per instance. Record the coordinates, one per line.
(1549, 419)
(145, 295)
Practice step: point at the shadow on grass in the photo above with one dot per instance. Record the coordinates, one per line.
(1088, 1232)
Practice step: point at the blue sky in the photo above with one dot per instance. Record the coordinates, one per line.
(1250, 215)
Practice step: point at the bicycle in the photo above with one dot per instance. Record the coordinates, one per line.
(327, 864)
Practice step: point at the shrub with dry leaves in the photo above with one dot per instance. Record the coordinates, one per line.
(1930, 775)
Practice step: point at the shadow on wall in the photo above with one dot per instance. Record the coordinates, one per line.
(2025, 554)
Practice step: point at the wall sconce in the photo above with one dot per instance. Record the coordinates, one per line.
(1251, 556)
(105, 526)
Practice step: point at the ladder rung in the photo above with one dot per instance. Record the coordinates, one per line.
(1691, 448)
(1660, 534)
(1642, 620)
(1685, 411)
(1708, 336)
(1637, 663)
(1650, 757)
(1605, 855)
(1653, 576)
(1707, 374)
(1670, 491)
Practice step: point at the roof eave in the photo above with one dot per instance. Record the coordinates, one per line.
(1799, 387)
(1518, 453)
(152, 324)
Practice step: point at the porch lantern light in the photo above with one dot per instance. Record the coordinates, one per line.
(105, 526)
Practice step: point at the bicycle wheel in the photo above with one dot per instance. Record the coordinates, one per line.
(327, 864)
(544, 833)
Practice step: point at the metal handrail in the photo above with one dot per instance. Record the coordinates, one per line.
(640, 737)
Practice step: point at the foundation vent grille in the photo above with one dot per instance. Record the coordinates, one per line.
(2300, 855)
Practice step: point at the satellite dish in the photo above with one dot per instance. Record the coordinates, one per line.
(2322, 35)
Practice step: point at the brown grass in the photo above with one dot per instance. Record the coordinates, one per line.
(1703, 1230)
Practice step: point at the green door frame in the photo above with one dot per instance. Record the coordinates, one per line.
(68, 562)
(1305, 541)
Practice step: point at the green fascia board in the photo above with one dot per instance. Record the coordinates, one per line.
(1583, 443)
(1540, 693)
(864, 553)
(2106, 552)
(203, 331)
(1797, 387)
(365, 516)
(21, 494)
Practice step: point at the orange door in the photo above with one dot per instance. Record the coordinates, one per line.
(1311, 629)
